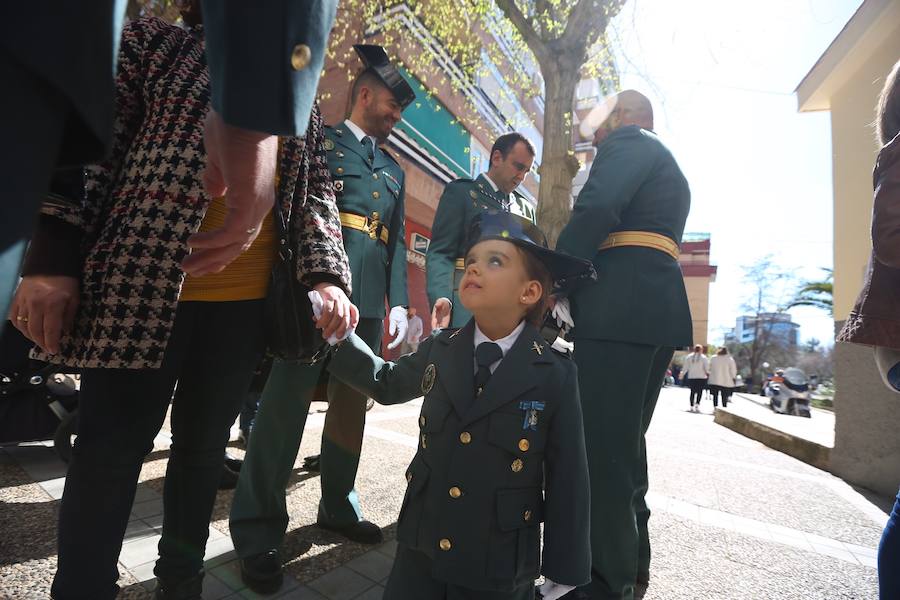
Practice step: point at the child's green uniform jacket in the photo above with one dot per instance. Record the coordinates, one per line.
(489, 470)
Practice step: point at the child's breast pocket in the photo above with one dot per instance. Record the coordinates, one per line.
(522, 434)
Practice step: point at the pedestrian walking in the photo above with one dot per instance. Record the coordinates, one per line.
(875, 319)
(370, 187)
(501, 444)
(722, 376)
(696, 369)
(413, 333)
(512, 156)
(628, 220)
(103, 270)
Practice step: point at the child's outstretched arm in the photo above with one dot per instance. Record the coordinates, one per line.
(567, 545)
(354, 363)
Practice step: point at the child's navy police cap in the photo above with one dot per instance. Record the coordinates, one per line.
(501, 225)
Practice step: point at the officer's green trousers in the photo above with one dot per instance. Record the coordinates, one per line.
(259, 516)
(619, 384)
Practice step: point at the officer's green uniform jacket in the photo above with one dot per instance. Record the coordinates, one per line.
(461, 202)
(638, 296)
(363, 188)
(482, 479)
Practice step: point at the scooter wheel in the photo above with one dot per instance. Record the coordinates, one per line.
(62, 439)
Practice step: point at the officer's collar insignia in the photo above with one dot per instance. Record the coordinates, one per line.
(329, 145)
(339, 186)
(531, 409)
(537, 348)
(428, 378)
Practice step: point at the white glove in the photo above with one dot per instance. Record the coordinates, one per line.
(564, 346)
(551, 590)
(399, 325)
(563, 314)
(316, 300)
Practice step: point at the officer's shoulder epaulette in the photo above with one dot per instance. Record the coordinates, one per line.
(461, 181)
(391, 156)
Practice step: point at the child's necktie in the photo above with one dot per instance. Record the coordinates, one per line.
(486, 354)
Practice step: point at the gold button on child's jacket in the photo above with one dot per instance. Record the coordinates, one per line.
(408, 477)
(445, 544)
(300, 57)
(465, 437)
(455, 492)
(424, 441)
(527, 515)
(422, 421)
(517, 465)
(376, 195)
(524, 445)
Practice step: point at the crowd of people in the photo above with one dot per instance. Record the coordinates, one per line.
(148, 269)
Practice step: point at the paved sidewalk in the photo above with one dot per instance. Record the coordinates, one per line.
(819, 428)
(732, 519)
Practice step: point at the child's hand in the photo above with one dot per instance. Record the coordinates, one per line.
(335, 315)
(440, 315)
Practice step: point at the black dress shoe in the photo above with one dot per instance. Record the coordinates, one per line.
(233, 463)
(229, 479)
(263, 572)
(311, 463)
(363, 532)
(184, 589)
(577, 594)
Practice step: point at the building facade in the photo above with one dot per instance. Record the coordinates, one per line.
(777, 326)
(846, 81)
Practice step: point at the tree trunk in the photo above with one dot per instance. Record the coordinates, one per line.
(558, 163)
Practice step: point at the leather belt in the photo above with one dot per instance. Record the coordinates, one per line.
(461, 264)
(644, 239)
(372, 226)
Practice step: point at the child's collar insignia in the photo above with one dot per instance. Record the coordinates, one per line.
(428, 378)
(537, 348)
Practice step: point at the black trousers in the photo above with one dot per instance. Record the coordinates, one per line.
(715, 390)
(211, 355)
(697, 386)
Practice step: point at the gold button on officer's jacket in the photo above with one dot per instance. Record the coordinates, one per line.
(465, 437)
(408, 477)
(376, 195)
(424, 441)
(445, 544)
(517, 465)
(527, 515)
(455, 492)
(339, 170)
(300, 57)
(422, 421)
(524, 445)
(375, 176)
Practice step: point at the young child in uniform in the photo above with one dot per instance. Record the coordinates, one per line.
(501, 444)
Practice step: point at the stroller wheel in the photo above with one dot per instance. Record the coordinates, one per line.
(62, 439)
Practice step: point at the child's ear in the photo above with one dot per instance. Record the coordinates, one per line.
(532, 293)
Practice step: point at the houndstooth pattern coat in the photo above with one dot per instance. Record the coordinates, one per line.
(142, 204)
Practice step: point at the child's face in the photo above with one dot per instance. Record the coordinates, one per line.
(496, 281)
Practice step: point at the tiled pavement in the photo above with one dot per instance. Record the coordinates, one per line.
(731, 519)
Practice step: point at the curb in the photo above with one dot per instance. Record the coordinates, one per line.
(809, 452)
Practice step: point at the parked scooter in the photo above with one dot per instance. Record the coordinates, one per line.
(788, 392)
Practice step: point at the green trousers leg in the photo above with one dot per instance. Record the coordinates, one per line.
(619, 385)
(259, 512)
(342, 441)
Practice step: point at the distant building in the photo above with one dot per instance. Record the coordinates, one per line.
(698, 274)
(778, 325)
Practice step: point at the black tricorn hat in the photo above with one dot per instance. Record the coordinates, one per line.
(501, 225)
(375, 58)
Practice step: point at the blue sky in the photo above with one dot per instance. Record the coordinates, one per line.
(721, 75)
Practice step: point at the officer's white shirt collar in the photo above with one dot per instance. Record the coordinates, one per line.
(357, 130)
(509, 197)
(505, 343)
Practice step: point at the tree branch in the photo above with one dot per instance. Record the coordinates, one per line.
(532, 39)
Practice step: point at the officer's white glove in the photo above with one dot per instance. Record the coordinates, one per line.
(563, 314)
(551, 590)
(564, 346)
(398, 325)
(316, 300)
